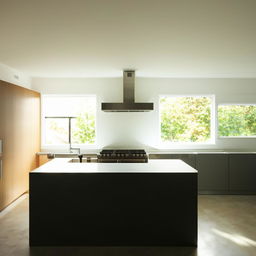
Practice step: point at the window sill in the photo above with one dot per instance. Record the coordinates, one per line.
(237, 137)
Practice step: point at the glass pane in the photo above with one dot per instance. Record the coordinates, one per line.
(237, 120)
(83, 128)
(83, 111)
(185, 119)
(68, 105)
(56, 131)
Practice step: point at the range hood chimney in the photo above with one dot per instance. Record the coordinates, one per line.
(128, 105)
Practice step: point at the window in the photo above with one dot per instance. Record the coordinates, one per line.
(237, 120)
(186, 119)
(68, 119)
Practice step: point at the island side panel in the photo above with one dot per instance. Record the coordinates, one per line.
(139, 209)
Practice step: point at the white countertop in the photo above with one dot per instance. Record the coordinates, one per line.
(65, 154)
(62, 165)
(200, 152)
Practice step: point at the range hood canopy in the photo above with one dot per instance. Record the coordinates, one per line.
(128, 105)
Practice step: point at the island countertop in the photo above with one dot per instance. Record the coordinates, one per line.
(63, 165)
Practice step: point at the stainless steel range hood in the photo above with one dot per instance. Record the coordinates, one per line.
(128, 105)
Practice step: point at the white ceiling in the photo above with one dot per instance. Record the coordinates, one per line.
(158, 38)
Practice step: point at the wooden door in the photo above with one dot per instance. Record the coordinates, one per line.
(1, 186)
(20, 133)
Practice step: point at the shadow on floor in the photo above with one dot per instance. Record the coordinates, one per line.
(113, 251)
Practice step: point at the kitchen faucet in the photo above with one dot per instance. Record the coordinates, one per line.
(80, 156)
(71, 149)
(70, 140)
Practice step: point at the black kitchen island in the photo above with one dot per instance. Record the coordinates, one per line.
(113, 204)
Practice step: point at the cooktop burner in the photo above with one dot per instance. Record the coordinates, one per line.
(123, 155)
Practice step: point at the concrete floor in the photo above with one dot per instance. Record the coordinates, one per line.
(227, 226)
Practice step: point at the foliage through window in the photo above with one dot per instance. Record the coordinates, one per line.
(237, 120)
(185, 119)
(61, 113)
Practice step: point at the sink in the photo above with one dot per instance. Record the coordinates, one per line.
(84, 160)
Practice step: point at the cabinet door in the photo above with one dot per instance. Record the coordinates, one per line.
(42, 159)
(212, 172)
(190, 159)
(1, 186)
(242, 172)
(20, 133)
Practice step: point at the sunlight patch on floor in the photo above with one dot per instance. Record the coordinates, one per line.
(238, 239)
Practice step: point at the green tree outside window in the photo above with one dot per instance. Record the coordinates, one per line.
(237, 120)
(185, 119)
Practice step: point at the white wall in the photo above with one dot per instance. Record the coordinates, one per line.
(14, 76)
(142, 129)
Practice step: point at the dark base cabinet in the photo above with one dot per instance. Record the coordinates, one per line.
(113, 209)
(189, 159)
(221, 173)
(212, 172)
(242, 172)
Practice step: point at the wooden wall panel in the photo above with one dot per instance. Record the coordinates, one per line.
(42, 159)
(20, 132)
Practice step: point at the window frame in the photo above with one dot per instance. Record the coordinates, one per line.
(170, 144)
(217, 117)
(45, 146)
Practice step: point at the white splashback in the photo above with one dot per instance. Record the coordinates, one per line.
(141, 129)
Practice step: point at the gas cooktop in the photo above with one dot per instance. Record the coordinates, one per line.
(123, 156)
